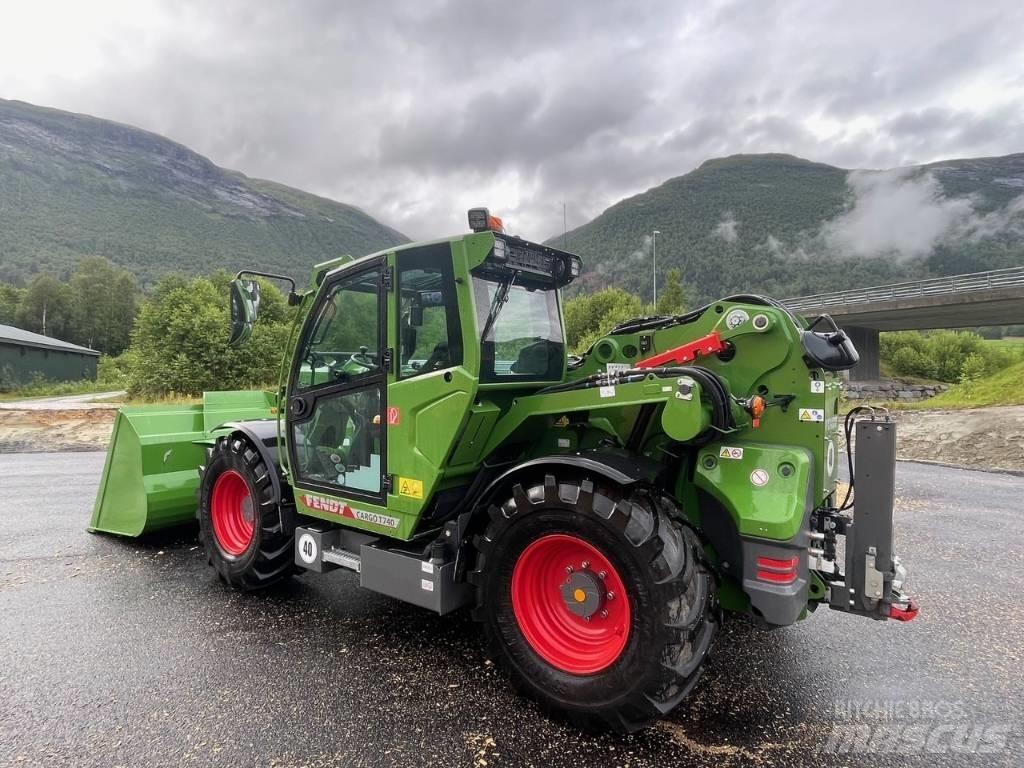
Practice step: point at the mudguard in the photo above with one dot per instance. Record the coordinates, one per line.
(263, 436)
(620, 468)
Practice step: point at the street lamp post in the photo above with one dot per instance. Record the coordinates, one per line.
(654, 271)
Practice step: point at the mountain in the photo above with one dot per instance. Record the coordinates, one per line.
(785, 226)
(73, 185)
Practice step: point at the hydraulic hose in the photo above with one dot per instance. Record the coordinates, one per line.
(711, 385)
(654, 323)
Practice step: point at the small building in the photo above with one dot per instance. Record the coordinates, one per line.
(25, 356)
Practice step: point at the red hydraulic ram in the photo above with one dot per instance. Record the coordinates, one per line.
(686, 353)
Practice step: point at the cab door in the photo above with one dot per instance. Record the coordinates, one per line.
(337, 436)
(432, 390)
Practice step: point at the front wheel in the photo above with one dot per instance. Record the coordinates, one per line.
(597, 601)
(248, 538)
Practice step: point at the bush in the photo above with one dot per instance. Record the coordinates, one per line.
(112, 372)
(180, 341)
(944, 355)
(991, 331)
(909, 361)
(588, 318)
(975, 368)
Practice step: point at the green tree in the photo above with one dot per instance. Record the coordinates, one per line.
(46, 307)
(588, 318)
(180, 340)
(105, 304)
(674, 299)
(10, 299)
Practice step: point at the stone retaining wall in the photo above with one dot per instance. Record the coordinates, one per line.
(888, 391)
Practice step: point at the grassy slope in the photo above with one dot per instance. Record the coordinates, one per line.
(73, 185)
(1003, 388)
(780, 196)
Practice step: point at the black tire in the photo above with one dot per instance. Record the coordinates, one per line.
(672, 593)
(269, 556)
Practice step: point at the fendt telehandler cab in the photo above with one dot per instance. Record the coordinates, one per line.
(597, 512)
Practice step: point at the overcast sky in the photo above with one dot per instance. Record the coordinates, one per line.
(416, 111)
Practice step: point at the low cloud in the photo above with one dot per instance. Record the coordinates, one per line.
(726, 228)
(1007, 221)
(901, 212)
(643, 253)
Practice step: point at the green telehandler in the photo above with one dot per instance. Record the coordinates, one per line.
(598, 513)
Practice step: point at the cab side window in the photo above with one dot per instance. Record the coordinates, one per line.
(429, 333)
(345, 341)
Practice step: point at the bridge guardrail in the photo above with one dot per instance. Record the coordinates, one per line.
(975, 281)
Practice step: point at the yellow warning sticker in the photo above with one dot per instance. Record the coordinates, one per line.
(730, 453)
(409, 487)
(812, 414)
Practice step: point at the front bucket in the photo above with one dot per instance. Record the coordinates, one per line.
(151, 475)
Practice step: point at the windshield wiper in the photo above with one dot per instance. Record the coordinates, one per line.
(497, 303)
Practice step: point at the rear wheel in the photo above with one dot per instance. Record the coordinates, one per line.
(248, 537)
(597, 602)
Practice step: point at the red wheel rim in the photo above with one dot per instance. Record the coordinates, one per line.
(543, 591)
(232, 511)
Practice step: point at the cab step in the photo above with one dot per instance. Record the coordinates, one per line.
(343, 558)
(383, 566)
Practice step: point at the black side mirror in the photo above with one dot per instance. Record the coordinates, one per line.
(832, 350)
(245, 308)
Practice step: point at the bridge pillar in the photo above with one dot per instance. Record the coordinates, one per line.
(866, 342)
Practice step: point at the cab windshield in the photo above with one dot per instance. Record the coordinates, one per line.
(524, 339)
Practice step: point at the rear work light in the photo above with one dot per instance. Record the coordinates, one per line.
(777, 571)
(480, 220)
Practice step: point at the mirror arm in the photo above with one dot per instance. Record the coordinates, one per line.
(294, 298)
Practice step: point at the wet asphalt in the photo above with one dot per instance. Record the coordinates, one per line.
(121, 652)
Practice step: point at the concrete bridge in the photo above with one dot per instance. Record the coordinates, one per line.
(960, 301)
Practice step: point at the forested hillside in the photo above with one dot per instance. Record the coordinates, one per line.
(785, 226)
(73, 186)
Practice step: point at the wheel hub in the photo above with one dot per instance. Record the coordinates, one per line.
(584, 593)
(571, 604)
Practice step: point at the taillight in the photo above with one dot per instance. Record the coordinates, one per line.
(907, 612)
(777, 571)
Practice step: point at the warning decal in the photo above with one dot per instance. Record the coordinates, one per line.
(812, 414)
(817, 387)
(409, 487)
(394, 416)
(730, 453)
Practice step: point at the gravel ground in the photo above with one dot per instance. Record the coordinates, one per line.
(983, 438)
(120, 652)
